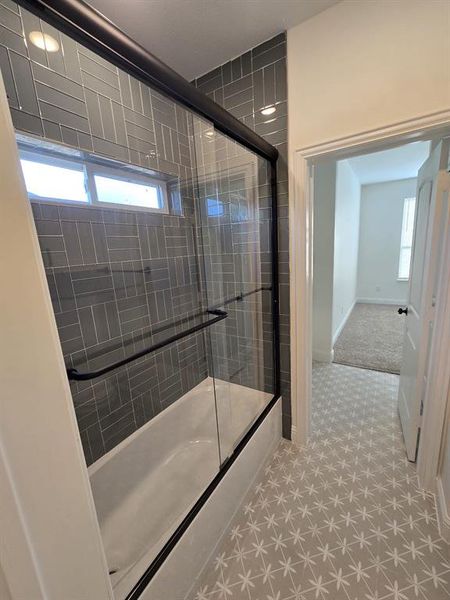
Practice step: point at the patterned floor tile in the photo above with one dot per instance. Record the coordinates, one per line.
(342, 518)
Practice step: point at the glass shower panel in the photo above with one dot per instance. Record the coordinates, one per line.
(234, 212)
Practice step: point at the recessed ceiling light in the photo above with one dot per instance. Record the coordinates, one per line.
(43, 41)
(209, 133)
(269, 110)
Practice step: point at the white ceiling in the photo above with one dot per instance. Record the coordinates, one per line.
(194, 36)
(390, 165)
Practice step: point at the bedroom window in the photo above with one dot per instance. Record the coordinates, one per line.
(404, 262)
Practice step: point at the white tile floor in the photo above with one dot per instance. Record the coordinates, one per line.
(342, 518)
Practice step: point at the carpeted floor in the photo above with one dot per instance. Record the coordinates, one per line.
(372, 338)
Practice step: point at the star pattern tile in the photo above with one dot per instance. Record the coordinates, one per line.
(341, 518)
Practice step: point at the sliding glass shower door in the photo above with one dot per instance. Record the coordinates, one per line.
(234, 221)
(124, 281)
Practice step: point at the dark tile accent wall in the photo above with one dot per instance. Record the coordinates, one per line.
(234, 200)
(244, 86)
(76, 97)
(118, 279)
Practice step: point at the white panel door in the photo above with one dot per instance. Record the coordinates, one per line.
(433, 184)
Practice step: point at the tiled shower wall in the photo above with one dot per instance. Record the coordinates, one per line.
(235, 214)
(244, 86)
(114, 275)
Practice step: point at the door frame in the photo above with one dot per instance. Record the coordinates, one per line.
(301, 191)
(437, 387)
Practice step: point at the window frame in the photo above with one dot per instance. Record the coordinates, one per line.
(93, 168)
(90, 167)
(404, 246)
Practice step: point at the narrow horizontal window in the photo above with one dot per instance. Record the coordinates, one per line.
(54, 182)
(61, 174)
(116, 191)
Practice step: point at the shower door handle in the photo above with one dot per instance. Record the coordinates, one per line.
(75, 375)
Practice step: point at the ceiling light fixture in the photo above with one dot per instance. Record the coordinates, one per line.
(43, 41)
(209, 133)
(269, 110)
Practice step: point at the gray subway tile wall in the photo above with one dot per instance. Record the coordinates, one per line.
(234, 196)
(244, 86)
(114, 293)
(236, 251)
(118, 278)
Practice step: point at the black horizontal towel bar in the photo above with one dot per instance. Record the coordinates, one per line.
(241, 296)
(74, 375)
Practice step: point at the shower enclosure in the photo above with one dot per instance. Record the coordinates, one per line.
(157, 227)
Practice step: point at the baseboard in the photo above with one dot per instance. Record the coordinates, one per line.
(344, 321)
(294, 434)
(324, 357)
(441, 509)
(380, 301)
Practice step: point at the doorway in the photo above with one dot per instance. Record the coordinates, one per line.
(364, 208)
(301, 216)
(367, 226)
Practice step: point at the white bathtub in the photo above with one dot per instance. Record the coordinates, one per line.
(145, 485)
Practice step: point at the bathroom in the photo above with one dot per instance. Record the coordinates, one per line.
(150, 320)
(156, 233)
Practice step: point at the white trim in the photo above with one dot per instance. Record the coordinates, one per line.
(343, 322)
(323, 357)
(300, 293)
(443, 517)
(438, 384)
(382, 301)
(392, 135)
(301, 242)
(50, 546)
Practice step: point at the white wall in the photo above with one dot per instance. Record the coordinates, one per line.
(364, 65)
(323, 257)
(50, 545)
(379, 241)
(346, 234)
(335, 253)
